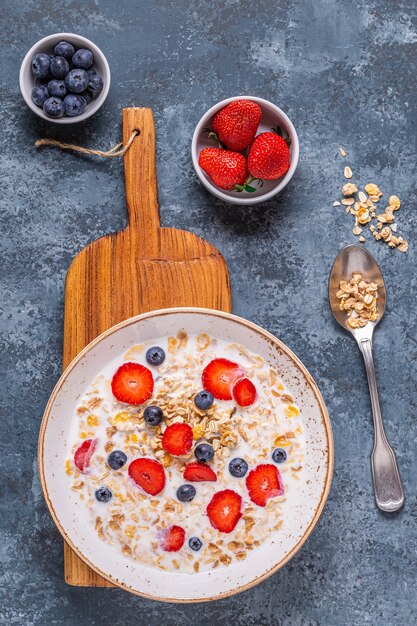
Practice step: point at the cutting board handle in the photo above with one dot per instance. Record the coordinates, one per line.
(140, 172)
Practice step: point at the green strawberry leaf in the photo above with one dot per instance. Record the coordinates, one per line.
(249, 188)
(278, 130)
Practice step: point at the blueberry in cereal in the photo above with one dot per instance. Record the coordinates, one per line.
(103, 494)
(153, 415)
(279, 455)
(195, 543)
(238, 467)
(155, 355)
(116, 459)
(204, 400)
(204, 452)
(186, 493)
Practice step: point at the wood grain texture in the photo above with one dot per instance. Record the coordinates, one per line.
(142, 268)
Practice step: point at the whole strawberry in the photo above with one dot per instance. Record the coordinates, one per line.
(269, 156)
(236, 124)
(228, 170)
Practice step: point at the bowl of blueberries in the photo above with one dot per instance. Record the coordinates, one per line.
(64, 78)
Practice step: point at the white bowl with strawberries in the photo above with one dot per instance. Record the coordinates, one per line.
(245, 150)
(185, 455)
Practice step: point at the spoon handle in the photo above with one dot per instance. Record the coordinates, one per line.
(389, 493)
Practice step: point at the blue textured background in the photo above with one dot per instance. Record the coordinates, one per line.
(345, 73)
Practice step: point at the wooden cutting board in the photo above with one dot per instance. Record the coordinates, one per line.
(142, 268)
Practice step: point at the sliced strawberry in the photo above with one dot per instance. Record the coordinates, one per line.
(219, 376)
(132, 383)
(244, 392)
(83, 454)
(178, 439)
(171, 539)
(148, 474)
(264, 482)
(199, 472)
(225, 510)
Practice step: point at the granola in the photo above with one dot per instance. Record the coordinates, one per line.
(359, 299)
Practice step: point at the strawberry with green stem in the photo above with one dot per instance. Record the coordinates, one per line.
(228, 170)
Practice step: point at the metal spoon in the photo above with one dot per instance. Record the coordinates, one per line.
(389, 494)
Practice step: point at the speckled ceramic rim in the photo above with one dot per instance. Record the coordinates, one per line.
(223, 195)
(27, 81)
(303, 371)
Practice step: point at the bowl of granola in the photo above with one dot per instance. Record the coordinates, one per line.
(186, 454)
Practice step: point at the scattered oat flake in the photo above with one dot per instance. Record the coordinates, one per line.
(372, 190)
(394, 202)
(363, 210)
(336, 203)
(349, 189)
(348, 172)
(342, 152)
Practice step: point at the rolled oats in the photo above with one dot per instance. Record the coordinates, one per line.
(364, 211)
(359, 300)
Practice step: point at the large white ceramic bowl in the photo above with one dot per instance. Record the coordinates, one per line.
(27, 80)
(272, 116)
(73, 521)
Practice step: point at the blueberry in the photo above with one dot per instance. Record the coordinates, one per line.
(57, 88)
(195, 543)
(186, 493)
(204, 452)
(87, 96)
(83, 58)
(54, 107)
(76, 81)
(279, 455)
(116, 459)
(59, 67)
(153, 415)
(238, 467)
(103, 494)
(155, 355)
(74, 105)
(92, 72)
(39, 94)
(95, 84)
(203, 400)
(40, 65)
(64, 49)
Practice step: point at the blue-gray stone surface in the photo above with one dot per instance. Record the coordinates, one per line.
(345, 73)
